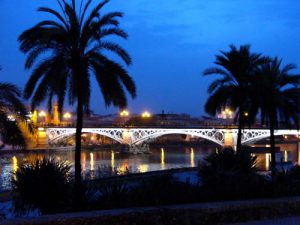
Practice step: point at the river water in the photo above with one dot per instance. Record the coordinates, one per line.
(113, 162)
(108, 160)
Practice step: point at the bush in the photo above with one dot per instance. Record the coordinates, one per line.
(163, 190)
(287, 182)
(228, 174)
(44, 184)
(113, 194)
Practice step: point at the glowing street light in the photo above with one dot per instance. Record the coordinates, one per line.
(146, 115)
(227, 113)
(124, 113)
(11, 118)
(42, 114)
(246, 114)
(67, 116)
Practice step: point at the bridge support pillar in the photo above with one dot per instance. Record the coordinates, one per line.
(230, 138)
(126, 135)
(298, 152)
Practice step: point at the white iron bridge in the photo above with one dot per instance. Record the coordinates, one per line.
(138, 136)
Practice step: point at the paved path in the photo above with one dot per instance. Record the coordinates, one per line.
(280, 221)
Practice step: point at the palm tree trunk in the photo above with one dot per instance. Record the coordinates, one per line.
(78, 142)
(79, 124)
(272, 144)
(239, 137)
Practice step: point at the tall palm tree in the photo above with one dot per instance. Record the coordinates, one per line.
(277, 95)
(12, 111)
(71, 48)
(232, 90)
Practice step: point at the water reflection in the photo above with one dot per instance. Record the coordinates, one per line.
(162, 159)
(83, 161)
(113, 160)
(268, 159)
(14, 164)
(125, 167)
(143, 168)
(159, 159)
(192, 158)
(92, 161)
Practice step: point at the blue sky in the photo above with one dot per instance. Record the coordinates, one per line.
(171, 43)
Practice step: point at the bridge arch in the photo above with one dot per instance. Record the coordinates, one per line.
(56, 134)
(253, 135)
(142, 135)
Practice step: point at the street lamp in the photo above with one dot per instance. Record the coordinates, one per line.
(124, 113)
(42, 114)
(146, 115)
(67, 116)
(227, 113)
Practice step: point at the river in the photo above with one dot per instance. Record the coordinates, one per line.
(111, 161)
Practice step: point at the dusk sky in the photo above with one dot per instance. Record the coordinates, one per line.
(171, 42)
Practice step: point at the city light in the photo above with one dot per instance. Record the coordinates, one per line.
(67, 116)
(146, 115)
(246, 114)
(11, 118)
(227, 113)
(124, 113)
(42, 114)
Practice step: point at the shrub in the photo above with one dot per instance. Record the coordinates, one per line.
(162, 190)
(44, 184)
(287, 182)
(114, 194)
(228, 174)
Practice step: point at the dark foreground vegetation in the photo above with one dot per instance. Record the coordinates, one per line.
(227, 175)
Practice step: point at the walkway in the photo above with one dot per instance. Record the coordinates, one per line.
(295, 220)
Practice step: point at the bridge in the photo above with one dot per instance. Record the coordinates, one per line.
(140, 136)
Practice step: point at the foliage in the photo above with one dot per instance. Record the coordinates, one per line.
(228, 174)
(276, 94)
(114, 194)
(162, 190)
(236, 68)
(71, 48)
(287, 182)
(12, 111)
(44, 184)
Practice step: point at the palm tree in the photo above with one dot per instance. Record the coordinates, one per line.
(12, 111)
(71, 48)
(277, 95)
(232, 90)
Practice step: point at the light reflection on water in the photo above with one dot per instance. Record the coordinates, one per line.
(91, 161)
